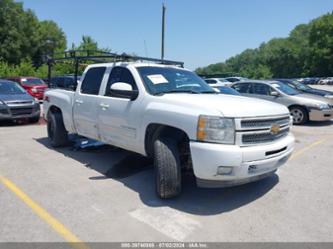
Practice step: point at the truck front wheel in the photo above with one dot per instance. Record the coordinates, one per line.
(167, 167)
(56, 130)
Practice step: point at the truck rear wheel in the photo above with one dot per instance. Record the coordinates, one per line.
(167, 167)
(56, 130)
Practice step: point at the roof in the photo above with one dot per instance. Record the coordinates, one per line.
(6, 81)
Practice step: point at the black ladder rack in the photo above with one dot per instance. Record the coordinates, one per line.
(96, 56)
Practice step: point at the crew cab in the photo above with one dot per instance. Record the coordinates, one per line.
(170, 114)
(34, 86)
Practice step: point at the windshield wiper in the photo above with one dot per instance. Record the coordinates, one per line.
(179, 91)
(185, 91)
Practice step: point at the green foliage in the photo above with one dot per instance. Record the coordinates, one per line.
(23, 36)
(24, 42)
(308, 51)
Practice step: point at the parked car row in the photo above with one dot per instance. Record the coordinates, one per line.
(34, 86)
(20, 96)
(303, 105)
(16, 103)
(304, 102)
(316, 80)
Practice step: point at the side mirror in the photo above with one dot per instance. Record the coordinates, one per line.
(123, 90)
(275, 94)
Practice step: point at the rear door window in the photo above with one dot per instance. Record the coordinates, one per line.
(242, 88)
(261, 89)
(93, 80)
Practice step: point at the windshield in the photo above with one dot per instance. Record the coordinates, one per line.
(285, 88)
(300, 86)
(32, 81)
(160, 80)
(10, 88)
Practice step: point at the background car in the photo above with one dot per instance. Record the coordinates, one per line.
(217, 82)
(64, 82)
(16, 103)
(306, 89)
(302, 107)
(326, 81)
(235, 79)
(34, 86)
(227, 90)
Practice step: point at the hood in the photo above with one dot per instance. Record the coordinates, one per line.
(7, 98)
(313, 99)
(227, 105)
(319, 92)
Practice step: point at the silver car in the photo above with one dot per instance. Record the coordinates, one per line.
(303, 107)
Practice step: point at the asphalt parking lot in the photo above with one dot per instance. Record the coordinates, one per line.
(107, 194)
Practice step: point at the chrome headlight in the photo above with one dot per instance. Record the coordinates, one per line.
(2, 103)
(323, 106)
(216, 129)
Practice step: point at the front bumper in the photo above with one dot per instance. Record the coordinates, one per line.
(247, 163)
(14, 113)
(320, 115)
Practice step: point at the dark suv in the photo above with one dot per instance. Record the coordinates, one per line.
(16, 103)
(64, 82)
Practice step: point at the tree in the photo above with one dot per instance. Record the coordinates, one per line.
(22, 36)
(308, 51)
(321, 46)
(50, 39)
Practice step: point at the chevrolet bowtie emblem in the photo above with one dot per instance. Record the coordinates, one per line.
(275, 128)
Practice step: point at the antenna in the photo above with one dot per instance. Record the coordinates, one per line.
(163, 31)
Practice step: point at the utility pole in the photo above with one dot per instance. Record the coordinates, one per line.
(163, 30)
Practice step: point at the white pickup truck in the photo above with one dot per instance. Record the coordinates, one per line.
(170, 114)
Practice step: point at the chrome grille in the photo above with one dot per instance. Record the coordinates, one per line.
(264, 123)
(260, 130)
(265, 137)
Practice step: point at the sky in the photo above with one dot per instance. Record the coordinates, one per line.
(198, 32)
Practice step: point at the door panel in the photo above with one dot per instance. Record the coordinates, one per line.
(85, 115)
(86, 101)
(119, 118)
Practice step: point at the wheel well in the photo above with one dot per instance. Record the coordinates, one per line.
(54, 109)
(154, 131)
(300, 106)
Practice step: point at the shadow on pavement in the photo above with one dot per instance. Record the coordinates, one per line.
(318, 123)
(136, 172)
(20, 122)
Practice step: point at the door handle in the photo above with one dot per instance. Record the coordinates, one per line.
(104, 106)
(79, 101)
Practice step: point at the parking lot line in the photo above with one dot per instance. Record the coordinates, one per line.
(44, 215)
(306, 148)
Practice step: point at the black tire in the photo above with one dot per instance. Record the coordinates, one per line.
(300, 115)
(167, 168)
(56, 130)
(34, 120)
